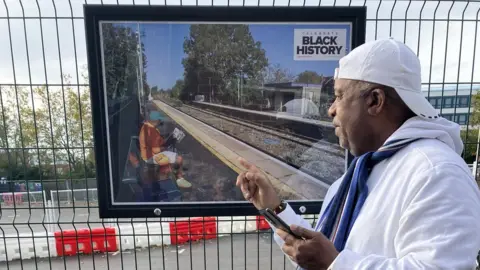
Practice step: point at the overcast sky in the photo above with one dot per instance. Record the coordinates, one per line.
(436, 68)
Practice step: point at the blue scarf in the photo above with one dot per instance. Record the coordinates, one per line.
(342, 211)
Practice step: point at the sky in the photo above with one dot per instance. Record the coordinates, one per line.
(452, 60)
(164, 50)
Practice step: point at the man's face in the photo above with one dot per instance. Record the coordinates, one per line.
(350, 117)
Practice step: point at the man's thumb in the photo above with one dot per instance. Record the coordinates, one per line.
(302, 232)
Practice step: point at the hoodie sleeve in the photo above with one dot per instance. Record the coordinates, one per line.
(438, 229)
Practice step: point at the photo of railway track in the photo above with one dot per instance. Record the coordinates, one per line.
(188, 100)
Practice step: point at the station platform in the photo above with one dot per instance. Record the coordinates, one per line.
(273, 114)
(290, 182)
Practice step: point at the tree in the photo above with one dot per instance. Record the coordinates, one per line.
(276, 74)
(475, 116)
(470, 144)
(470, 139)
(177, 89)
(309, 77)
(18, 126)
(217, 56)
(54, 122)
(121, 51)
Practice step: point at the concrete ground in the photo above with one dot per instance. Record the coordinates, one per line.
(251, 251)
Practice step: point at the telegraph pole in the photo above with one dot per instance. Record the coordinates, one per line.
(141, 90)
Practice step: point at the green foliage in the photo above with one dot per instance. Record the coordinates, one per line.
(475, 117)
(251, 95)
(121, 50)
(43, 129)
(16, 172)
(219, 55)
(177, 89)
(276, 74)
(47, 132)
(310, 77)
(470, 139)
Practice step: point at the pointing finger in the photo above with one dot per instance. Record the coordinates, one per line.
(247, 165)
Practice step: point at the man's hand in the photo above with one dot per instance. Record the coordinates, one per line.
(314, 252)
(256, 187)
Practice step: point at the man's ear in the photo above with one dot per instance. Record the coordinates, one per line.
(376, 101)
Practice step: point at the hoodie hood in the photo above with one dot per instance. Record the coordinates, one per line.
(440, 129)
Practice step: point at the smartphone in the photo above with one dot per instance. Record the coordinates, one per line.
(277, 222)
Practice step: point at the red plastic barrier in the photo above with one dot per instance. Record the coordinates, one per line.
(262, 224)
(179, 232)
(85, 241)
(104, 240)
(203, 228)
(195, 229)
(70, 242)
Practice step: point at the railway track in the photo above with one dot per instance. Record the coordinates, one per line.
(321, 159)
(282, 133)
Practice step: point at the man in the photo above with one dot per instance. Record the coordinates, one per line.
(408, 201)
(153, 148)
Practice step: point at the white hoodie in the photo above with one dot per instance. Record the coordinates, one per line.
(423, 207)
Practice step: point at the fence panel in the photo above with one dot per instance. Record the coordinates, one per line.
(46, 137)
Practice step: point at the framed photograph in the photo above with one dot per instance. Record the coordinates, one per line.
(180, 95)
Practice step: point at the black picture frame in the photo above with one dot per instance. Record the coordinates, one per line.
(93, 14)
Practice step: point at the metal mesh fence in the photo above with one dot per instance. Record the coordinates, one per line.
(46, 134)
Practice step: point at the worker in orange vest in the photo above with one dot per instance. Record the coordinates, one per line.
(152, 147)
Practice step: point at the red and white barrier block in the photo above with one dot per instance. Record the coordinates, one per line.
(86, 241)
(125, 237)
